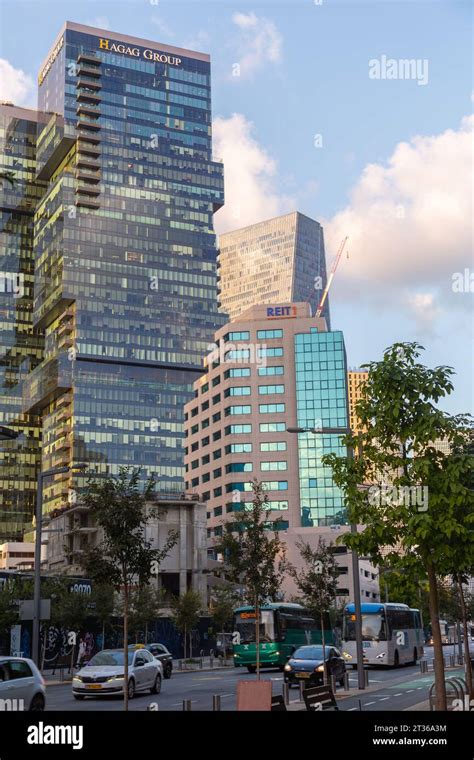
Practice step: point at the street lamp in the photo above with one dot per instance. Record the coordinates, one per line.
(355, 556)
(39, 520)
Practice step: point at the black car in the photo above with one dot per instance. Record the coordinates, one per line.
(161, 653)
(307, 664)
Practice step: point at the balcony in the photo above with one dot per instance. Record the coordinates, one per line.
(88, 97)
(87, 163)
(87, 176)
(89, 110)
(90, 84)
(85, 146)
(87, 190)
(88, 71)
(87, 58)
(87, 137)
(83, 124)
(87, 203)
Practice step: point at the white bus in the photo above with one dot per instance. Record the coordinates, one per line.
(392, 634)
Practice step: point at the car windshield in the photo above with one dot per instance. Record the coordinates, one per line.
(309, 653)
(109, 659)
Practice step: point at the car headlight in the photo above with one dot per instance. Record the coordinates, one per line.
(347, 656)
(287, 667)
(236, 655)
(319, 669)
(115, 678)
(77, 678)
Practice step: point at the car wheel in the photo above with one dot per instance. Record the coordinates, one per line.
(37, 703)
(131, 688)
(251, 668)
(168, 671)
(78, 696)
(156, 688)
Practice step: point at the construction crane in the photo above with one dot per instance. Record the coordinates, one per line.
(331, 277)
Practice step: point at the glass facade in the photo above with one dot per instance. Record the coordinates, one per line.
(21, 349)
(125, 285)
(321, 398)
(280, 260)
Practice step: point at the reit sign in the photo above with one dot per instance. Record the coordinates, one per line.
(274, 312)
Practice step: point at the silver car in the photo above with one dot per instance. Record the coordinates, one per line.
(22, 686)
(104, 674)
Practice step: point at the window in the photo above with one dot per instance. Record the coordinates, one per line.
(266, 389)
(19, 669)
(216, 381)
(244, 335)
(271, 408)
(205, 423)
(206, 477)
(238, 410)
(269, 334)
(238, 429)
(275, 485)
(205, 441)
(195, 446)
(205, 459)
(194, 411)
(205, 388)
(277, 505)
(275, 370)
(264, 353)
(216, 454)
(216, 417)
(268, 466)
(273, 446)
(194, 482)
(239, 467)
(237, 372)
(238, 448)
(241, 354)
(194, 429)
(217, 511)
(204, 406)
(216, 398)
(272, 427)
(195, 464)
(206, 496)
(217, 491)
(216, 435)
(238, 390)
(217, 473)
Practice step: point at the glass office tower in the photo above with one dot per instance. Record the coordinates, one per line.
(321, 402)
(21, 349)
(125, 254)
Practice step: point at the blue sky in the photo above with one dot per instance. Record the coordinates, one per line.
(302, 125)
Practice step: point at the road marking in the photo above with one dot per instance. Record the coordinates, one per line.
(384, 698)
(399, 694)
(368, 703)
(352, 708)
(409, 690)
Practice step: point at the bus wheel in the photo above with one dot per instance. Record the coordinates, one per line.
(251, 668)
(396, 659)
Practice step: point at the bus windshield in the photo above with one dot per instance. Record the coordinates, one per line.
(244, 623)
(373, 627)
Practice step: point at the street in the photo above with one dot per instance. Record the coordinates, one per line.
(395, 689)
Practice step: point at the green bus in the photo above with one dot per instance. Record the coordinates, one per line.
(283, 628)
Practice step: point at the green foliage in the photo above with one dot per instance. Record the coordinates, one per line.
(119, 507)
(9, 176)
(185, 610)
(8, 608)
(317, 581)
(254, 556)
(68, 610)
(223, 602)
(145, 604)
(103, 602)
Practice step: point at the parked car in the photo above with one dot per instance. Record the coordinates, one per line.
(159, 652)
(22, 686)
(104, 674)
(307, 664)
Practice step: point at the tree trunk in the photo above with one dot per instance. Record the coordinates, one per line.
(467, 655)
(323, 642)
(191, 644)
(125, 647)
(257, 636)
(146, 633)
(441, 703)
(184, 647)
(103, 635)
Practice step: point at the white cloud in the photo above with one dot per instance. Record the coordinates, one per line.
(15, 85)
(100, 22)
(250, 176)
(409, 224)
(260, 42)
(200, 41)
(162, 26)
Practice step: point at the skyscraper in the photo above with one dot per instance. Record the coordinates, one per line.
(124, 253)
(280, 260)
(21, 349)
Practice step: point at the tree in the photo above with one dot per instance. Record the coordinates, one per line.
(124, 556)
(9, 614)
(224, 600)
(145, 604)
(104, 603)
(417, 518)
(9, 176)
(317, 583)
(185, 614)
(254, 557)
